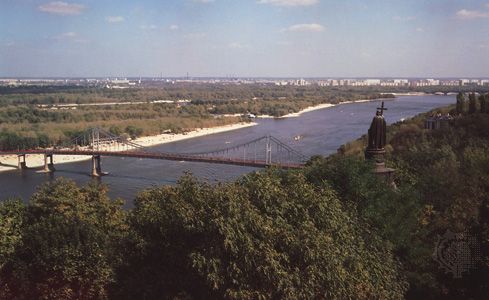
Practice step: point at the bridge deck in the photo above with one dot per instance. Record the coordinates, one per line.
(162, 156)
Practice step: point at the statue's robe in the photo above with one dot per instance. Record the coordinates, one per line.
(377, 133)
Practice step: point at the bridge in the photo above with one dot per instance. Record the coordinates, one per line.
(262, 152)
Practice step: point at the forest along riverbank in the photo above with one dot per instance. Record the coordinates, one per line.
(9, 162)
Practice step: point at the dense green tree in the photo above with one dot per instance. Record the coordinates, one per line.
(460, 103)
(451, 178)
(472, 103)
(69, 244)
(12, 214)
(266, 236)
(133, 131)
(482, 103)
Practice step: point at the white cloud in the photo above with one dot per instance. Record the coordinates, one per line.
(305, 28)
(204, 1)
(70, 36)
(148, 27)
(403, 19)
(195, 35)
(365, 54)
(283, 43)
(465, 14)
(419, 29)
(62, 8)
(114, 19)
(237, 45)
(174, 27)
(289, 2)
(66, 35)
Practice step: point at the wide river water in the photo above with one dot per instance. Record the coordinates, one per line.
(322, 131)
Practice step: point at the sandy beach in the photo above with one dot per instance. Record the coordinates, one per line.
(9, 162)
(325, 105)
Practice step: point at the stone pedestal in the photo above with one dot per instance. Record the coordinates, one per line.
(386, 174)
(376, 156)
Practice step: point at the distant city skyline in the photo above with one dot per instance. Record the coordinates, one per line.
(245, 38)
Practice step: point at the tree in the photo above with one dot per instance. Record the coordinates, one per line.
(134, 131)
(68, 246)
(486, 101)
(12, 214)
(269, 235)
(460, 103)
(472, 104)
(482, 103)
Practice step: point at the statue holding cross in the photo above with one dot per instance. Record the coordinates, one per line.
(375, 151)
(377, 134)
(382, 108)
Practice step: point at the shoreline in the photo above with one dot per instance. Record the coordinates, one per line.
(320, 106)
(9, 162)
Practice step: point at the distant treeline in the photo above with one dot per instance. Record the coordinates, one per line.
(196, 92)
(30, 117)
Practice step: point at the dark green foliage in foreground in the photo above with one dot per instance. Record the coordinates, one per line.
(483, 103)
(460, 103)
(266, 236)
(443, 180)
(450, 171)
(269, 235)
(63, 245)
(443, 184)
(472, 103)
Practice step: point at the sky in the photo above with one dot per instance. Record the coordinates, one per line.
(255, 38)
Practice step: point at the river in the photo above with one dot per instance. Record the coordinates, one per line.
(322, 131)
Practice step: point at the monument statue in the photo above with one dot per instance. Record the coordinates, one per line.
(377, 136)
(375, 151)
(377, 130)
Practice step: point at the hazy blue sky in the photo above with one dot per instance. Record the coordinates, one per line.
(346, 38)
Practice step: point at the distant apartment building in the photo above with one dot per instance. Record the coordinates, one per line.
(395, 82)
(425, 82)
(449, 82)
(119, 81)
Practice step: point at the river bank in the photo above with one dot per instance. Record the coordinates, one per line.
(9, 162)
(323, 106)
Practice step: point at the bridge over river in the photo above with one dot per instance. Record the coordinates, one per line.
(262, 152)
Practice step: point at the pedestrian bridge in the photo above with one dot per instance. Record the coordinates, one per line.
(262, 152)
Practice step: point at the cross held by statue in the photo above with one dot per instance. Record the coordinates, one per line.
(382, 108)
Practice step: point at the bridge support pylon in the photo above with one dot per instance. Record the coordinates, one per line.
(48, 163)
(22, 164)
(96, 166)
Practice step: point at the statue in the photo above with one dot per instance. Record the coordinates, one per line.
(375, 151)
(377, 136)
